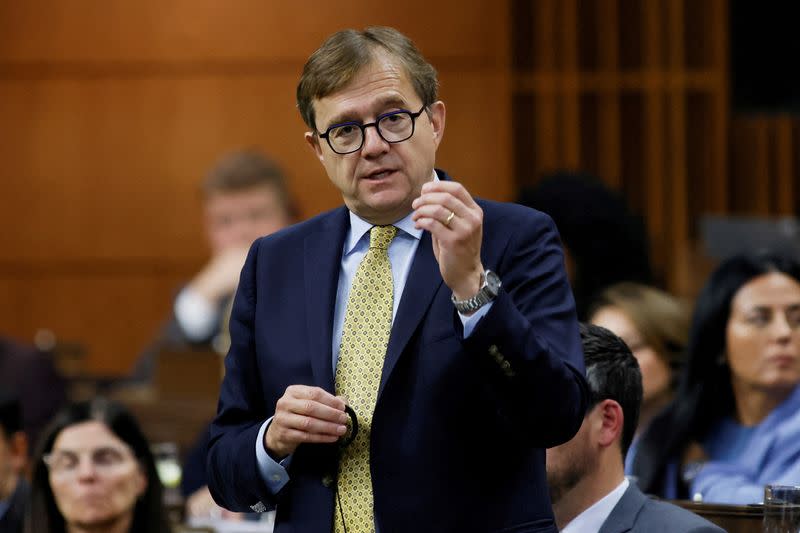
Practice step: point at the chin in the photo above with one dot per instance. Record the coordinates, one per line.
(378, 208)
(96, 520)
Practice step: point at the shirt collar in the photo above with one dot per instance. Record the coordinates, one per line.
(593, 517)
(359, 227)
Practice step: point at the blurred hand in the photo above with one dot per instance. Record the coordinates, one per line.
(304, 414)
(220, 276)
(201, 505)
(456, 238)
(694, 454)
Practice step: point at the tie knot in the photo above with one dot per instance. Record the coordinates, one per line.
(381, 236)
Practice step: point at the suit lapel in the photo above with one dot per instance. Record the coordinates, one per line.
(623, 515)
(323, 253)
(423, 281)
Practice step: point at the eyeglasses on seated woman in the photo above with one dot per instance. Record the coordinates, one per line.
(94, 471)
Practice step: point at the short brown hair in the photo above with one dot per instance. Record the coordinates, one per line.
(662, 319)
(246, 169)
(346, 52)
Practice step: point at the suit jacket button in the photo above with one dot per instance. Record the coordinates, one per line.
(327, 481)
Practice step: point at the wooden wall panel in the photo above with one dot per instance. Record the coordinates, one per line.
(98, 32)
(652, 120)
(114, 110)
(111, 315)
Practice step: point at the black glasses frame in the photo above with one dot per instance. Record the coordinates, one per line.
(363, 128)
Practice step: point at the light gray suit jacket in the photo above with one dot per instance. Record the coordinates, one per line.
(636, 512)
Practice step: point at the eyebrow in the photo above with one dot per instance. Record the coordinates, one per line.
(348, 116)
(76, 451)
(761, 308)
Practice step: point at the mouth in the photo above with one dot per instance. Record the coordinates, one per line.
(783, 359)
(378, 175)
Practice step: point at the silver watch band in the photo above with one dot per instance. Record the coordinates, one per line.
(490, 285)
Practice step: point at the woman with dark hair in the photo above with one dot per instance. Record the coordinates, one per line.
(734, 425)
(94, 471)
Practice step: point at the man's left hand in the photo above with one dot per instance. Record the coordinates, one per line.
(455, 222)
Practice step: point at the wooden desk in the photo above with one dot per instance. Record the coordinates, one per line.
(731, 518)
(182, 399)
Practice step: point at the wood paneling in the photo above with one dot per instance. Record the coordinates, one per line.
(102, 32)
(110, 311)
(652, 118)
(114, 110)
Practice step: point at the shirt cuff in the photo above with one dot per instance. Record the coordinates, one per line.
(273, 473)
(196, 316)
(469, 322)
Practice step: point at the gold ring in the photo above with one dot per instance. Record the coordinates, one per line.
(449, 218)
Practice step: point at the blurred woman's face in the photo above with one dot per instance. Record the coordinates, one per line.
(95, 477)
(763, 334)
(656, 374)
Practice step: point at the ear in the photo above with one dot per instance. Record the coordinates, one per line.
(611, 422)
(437, 115)
(313, 142)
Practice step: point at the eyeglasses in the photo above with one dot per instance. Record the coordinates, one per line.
(393, 127)
(105, 459)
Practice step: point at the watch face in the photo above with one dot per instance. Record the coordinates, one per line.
(492, 282)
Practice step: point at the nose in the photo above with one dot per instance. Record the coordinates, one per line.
(782, 329)
(373, 143)
(86, 469)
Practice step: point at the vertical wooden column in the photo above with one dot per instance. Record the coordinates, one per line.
(655, 163)
(609, 144)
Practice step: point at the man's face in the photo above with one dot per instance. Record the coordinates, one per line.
(379, 182)
(234, 219)
(13, 455)
(570, 462)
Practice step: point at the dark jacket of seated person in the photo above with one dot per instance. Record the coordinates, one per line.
(13, 458)
(32, 377)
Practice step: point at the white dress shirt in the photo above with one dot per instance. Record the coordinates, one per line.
(196, 316)
(592, 519)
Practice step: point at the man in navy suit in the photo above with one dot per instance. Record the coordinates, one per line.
(588, 487)
(482, 368)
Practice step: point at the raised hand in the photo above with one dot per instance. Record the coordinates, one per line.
(455, 222)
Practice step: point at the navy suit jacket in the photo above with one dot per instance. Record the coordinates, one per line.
(636, 512)
(12, 520)
(460, 426)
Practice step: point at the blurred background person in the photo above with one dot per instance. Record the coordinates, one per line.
(32, 377)
(655, 326)
(587, 485)
(246, 197)
(604, 242)
(734, 425)
(13, 459)
(94, 472)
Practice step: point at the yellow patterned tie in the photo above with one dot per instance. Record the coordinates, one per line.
(365, 335)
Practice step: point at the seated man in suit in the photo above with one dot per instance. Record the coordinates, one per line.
(588, 487)
(13, 457)
(245, 198)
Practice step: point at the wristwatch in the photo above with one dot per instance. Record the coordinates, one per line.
(490, 287)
